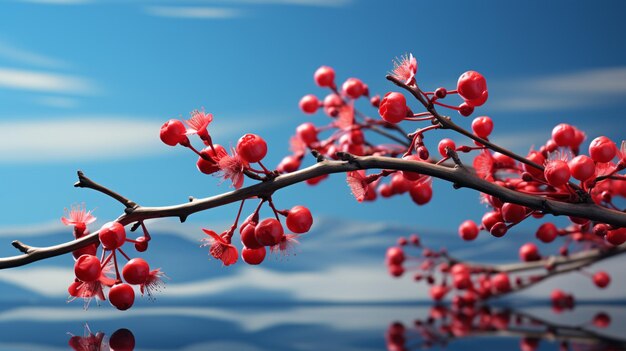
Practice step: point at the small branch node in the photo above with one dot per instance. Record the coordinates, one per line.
(318, 156)
(21, 246)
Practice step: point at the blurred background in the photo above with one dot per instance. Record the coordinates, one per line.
(86, 84)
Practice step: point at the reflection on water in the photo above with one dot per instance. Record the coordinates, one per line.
(444, 325)
(200, 326)
(121, 340)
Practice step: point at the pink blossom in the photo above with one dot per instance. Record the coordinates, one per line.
(233, 167)
(78, 217)
(221, 248)
(357, 181)
(153, 283)
(405, 68)
(198, 123)
(286, 245)
(91, 290)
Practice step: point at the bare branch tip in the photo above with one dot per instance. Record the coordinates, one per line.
(21, 246)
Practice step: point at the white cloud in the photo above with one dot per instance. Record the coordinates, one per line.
(57, 101)
(193, 12)
(78, 138)
(31, 230)
(572, 90)
(47, 281)
(44, 81)
(14, 53)
(70, 139)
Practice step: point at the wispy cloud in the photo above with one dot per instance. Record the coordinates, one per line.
(572, 90)
(45, 81)
(193, 12)
(71, 139)
(96, 137)
(57, 101)
(17, 54)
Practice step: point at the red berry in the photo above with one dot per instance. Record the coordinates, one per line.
(616, 237)
(513, 213)
(207, 166)
(471, 85)
(503, 161)
(557, 173)
(173, 133)
(499, 229)
(563, 135)
(253, 256)
(491, 218)
(375, 101)
(479, 101)
(602, 149)
(547, 232)
(136, 271)
(87, 268)
(441, 93)
(122, 296)
(325, 76)
(582, 167)
(141, 244)
(353, 87)
(268, 232)
(309, 103)
(421, 193)
(411, 175)
(252, 148)
(482, 126)
(122, 340)
(602, 320)
(468, 230)
(529, 252)
(399, 184)
(601, 279)
(299, 219)
(393, 107)
(307, 132)
(536, 157)
(446, 143)
(248, 239)
(394, 256)
(466, 109)
(112, 235)
(315, 180)
(289, 164)
(501, 282)
(438, 292)
(395, 270)
(87, 250)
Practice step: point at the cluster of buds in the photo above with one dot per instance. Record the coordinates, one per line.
(471, 283)
(256, 235)
(94, 275)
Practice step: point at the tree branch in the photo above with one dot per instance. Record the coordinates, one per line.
(459, 176)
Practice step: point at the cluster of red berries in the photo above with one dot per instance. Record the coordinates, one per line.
(470, 282)
(256, 235)
(471, 87)
(444, 324)
(213, 158)
(92, 272)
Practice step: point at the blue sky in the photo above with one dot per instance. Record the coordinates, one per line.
(85, 84)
